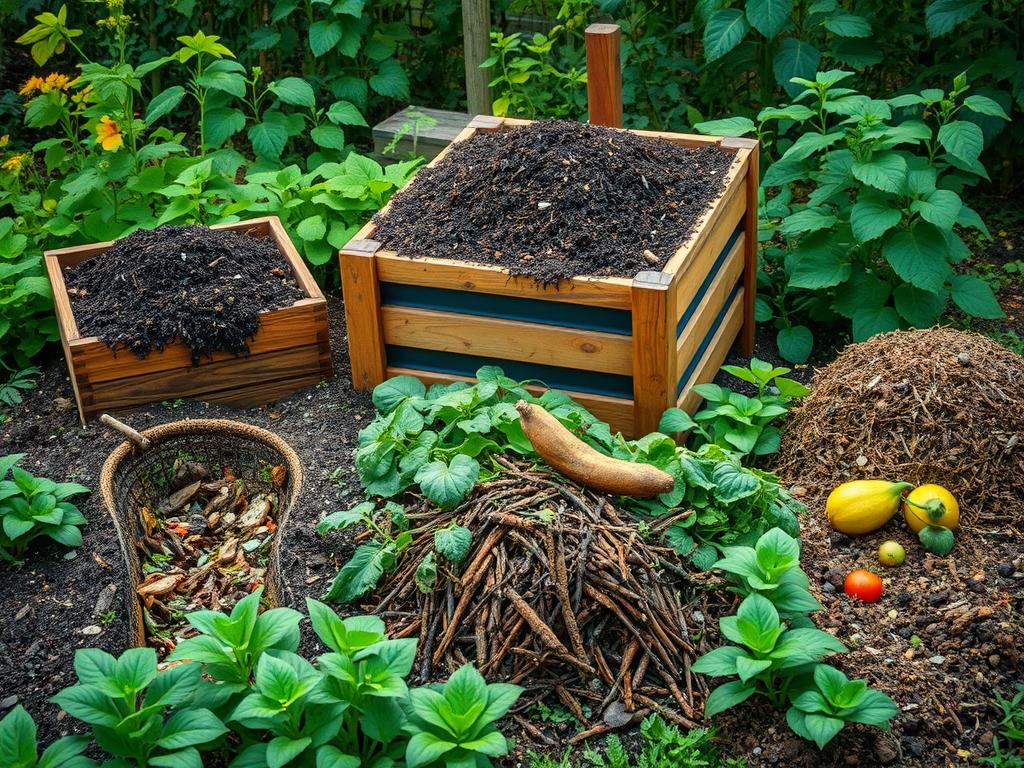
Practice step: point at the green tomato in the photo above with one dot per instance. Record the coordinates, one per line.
(891, 554)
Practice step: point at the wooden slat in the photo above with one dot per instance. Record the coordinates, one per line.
(507, 339)
(361, 290)
(753, 181)
(226, 376)
(710, 305)
(714, 356)
(283, 328)
(604, 75)
(713, 221)
(617, 412)
(610, 292)
(654, 378)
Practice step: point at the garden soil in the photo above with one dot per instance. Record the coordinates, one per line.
(203, 286)
(556, 199)
(944, 636)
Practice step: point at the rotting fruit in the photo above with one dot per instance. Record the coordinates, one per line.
(891, 554)
(863, 585)
(931, 504)
(862, 506)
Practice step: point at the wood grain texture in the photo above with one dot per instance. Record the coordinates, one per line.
(361, 292)
(99, 376)
(752, 182)
(476, 40)
(604, 75)
(654, 376)
(617, 412)
(507, 339)
(714, 356)
(710, 305)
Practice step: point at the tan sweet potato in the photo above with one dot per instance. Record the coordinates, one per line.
(562, 450)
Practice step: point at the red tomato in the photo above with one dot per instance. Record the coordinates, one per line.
(863, 585)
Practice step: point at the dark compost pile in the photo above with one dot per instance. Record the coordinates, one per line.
(557, 199)
(558, 592)
(203, 286)
(931, 406)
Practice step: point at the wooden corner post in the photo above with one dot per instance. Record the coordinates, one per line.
(361, 293)
(604, 75)
(752, 183)
(654, 347)
(476, 44)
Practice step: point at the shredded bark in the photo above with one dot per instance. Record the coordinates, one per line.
(557, 199)
(203, 286)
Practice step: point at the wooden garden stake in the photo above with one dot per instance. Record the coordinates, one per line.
(604, 75)
(476, 41)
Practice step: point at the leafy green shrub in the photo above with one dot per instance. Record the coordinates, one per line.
(31, 507)
(740, 424)
(863, 225)
(525, 81)
(18, 745)
(662, 746)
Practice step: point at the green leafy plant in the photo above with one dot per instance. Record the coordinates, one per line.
(1011, 732)
(873, 238)
(663, 746)
(738, 423)
(525, 81)
(31, 507)
(18, 747)
(19, 381)
(125, 699)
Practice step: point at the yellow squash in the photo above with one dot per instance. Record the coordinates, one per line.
(931, 505)
(862, 506)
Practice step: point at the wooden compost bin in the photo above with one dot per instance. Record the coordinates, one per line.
(626, 349)
(291, 349)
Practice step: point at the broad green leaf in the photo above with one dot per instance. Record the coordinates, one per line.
(769, 16)
(18, 739)
(720, 662)
(974, 296)
(819, 268)
(345, 113)
(453, 542)
(886, 171)
(190, 727)
(794, 58)
(726, 696)
(962, 139)
(268, 139)
(983, 105)
(724, 31)
(873, 215)
(920, 308)
(795, 343)
(820, 729)
(729, 126)
(362, 573)
(328, 136)
(807, 220)
(869, 321)
(918, 256)
(311, 228)
(448, 484)
(164, 102)
(941, 208)
(293, 90)
(848, 25)
(390, 80)
(388, 394)
(323, 36)
(941, 16)
(675, 420)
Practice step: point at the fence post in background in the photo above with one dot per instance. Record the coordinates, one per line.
(604, 75)
(476, 43)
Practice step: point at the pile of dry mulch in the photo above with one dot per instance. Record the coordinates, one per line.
(203, 286)
(931, 406)
(557, 199)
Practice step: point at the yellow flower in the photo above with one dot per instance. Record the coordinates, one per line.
(108, 134)
(5, 139)
(32, 85)
(55, 81)
(82, 96)
(15, 163)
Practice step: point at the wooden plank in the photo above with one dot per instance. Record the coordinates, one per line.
(617, 412)
(361, 293)
(689, 280)
(654, 377)
(476, 47)
(604, 75)
(753, 181)
(714, 356)
(715, 223)
(710, 305)
(283, 328)
(420, 131)
(232, 375)
(507, 339)
(485, 278)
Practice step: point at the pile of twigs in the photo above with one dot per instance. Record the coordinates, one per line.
(560, 594)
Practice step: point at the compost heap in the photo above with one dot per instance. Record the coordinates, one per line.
(557, 593)
(204, 544)
(556, 199)
(932, 406)
(203, 286)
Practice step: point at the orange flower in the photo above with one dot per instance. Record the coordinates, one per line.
(32, 85)
(108, 134)
(15, 163)
(55, 81)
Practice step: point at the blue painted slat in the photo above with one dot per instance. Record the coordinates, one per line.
(706, 341)
(509, 308)
(455, 364)
(708, 279)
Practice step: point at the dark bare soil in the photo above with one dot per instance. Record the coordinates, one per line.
(557, 199)
(203, 286)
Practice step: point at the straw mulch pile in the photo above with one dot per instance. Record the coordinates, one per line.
(930, 406)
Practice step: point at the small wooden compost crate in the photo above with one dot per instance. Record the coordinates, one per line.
(626, 349)
(291, 349)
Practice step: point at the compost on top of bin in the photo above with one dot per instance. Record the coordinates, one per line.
(552, 200)
(203, 286)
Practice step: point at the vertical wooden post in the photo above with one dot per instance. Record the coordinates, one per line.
(362, 313)
(604, 75)
(751, 215)
(654, 350)
(476, 44)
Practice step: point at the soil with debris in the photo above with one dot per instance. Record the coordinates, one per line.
(556, 199)
(203, 286)
(932, 406)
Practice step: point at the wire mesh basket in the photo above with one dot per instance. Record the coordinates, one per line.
(139, 470)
